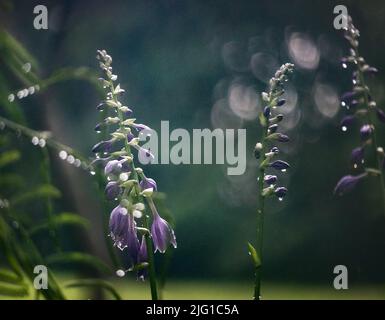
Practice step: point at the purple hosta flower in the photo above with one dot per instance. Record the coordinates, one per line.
(283, 138)
(273, 128)
(346, 122)
(130, 136)
(266, 112)
(133, 244)
(123, 231)
(275, 150)
(357, 156)
(145, 155)
(348, 96)
(113, 167)
(148, 183)
(369, 70)
(139, 127)
(279, 165)
(280, 192)
(365, 132)
(112, 190)
(162, 234)
(119, 226)
(270, 179)
(103, 146)
(281, 102)
(347, 183)
(380, 115)
(142, 258)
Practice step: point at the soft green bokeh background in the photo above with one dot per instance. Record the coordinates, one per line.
(177, 60)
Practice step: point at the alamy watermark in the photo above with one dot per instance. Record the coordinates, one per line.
(341, 280)
(228, 146)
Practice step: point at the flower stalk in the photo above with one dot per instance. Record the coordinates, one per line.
(363, 108)
(264, 151)
(127, 184)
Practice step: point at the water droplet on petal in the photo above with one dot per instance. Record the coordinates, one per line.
(35, 141)
(11, 97)
(283, 170)
(344, 128)
(63, 155)
(123, 176)
(42, 143)
(92, 173)
(280, 199)
(344, 65)
(31, 90)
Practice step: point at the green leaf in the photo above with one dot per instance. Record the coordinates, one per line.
(43, 191)
(78, 257)
(13, 291)
(9, 276)
(254, 255)
(95, 283)
(9, 157)
(262, 119)
(64, 218)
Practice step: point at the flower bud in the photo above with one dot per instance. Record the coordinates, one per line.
(365, 132)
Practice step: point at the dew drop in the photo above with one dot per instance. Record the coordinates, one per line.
(77, 163)
(343, 103)
(344, 128)
(42, 143)
(26, 67)
(355, 166)
(20, 94)
(71, 159)
(120, 273)
(31, 90)
(283, 170)
(92, 173)
(63, 155)
(11, 97)
(35, 141)
(280, 199)
(344, 65)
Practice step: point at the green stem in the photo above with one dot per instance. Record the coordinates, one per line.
(260, 219)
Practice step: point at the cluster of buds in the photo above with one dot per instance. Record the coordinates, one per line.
(269, 120)
(127, 184)
(360, 108)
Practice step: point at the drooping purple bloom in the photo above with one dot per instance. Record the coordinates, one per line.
(280, 192)
(347, 121)
(357, 156)
(162, 234)
(119, 226)
(273, 128)
(266, 112)
(347, 96)
(365, 132)
(148, 183)
(112, 190)
(145, 155)
(103, 146)
(281, 102)
(100, 106)
(283, 138)
(274, 150)
(142, 257)
(270, 179)
(279, 165)
(370, 70)
(132, 244)
(139, 127)
(347, 183)
(380, 115)
(113, 167)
